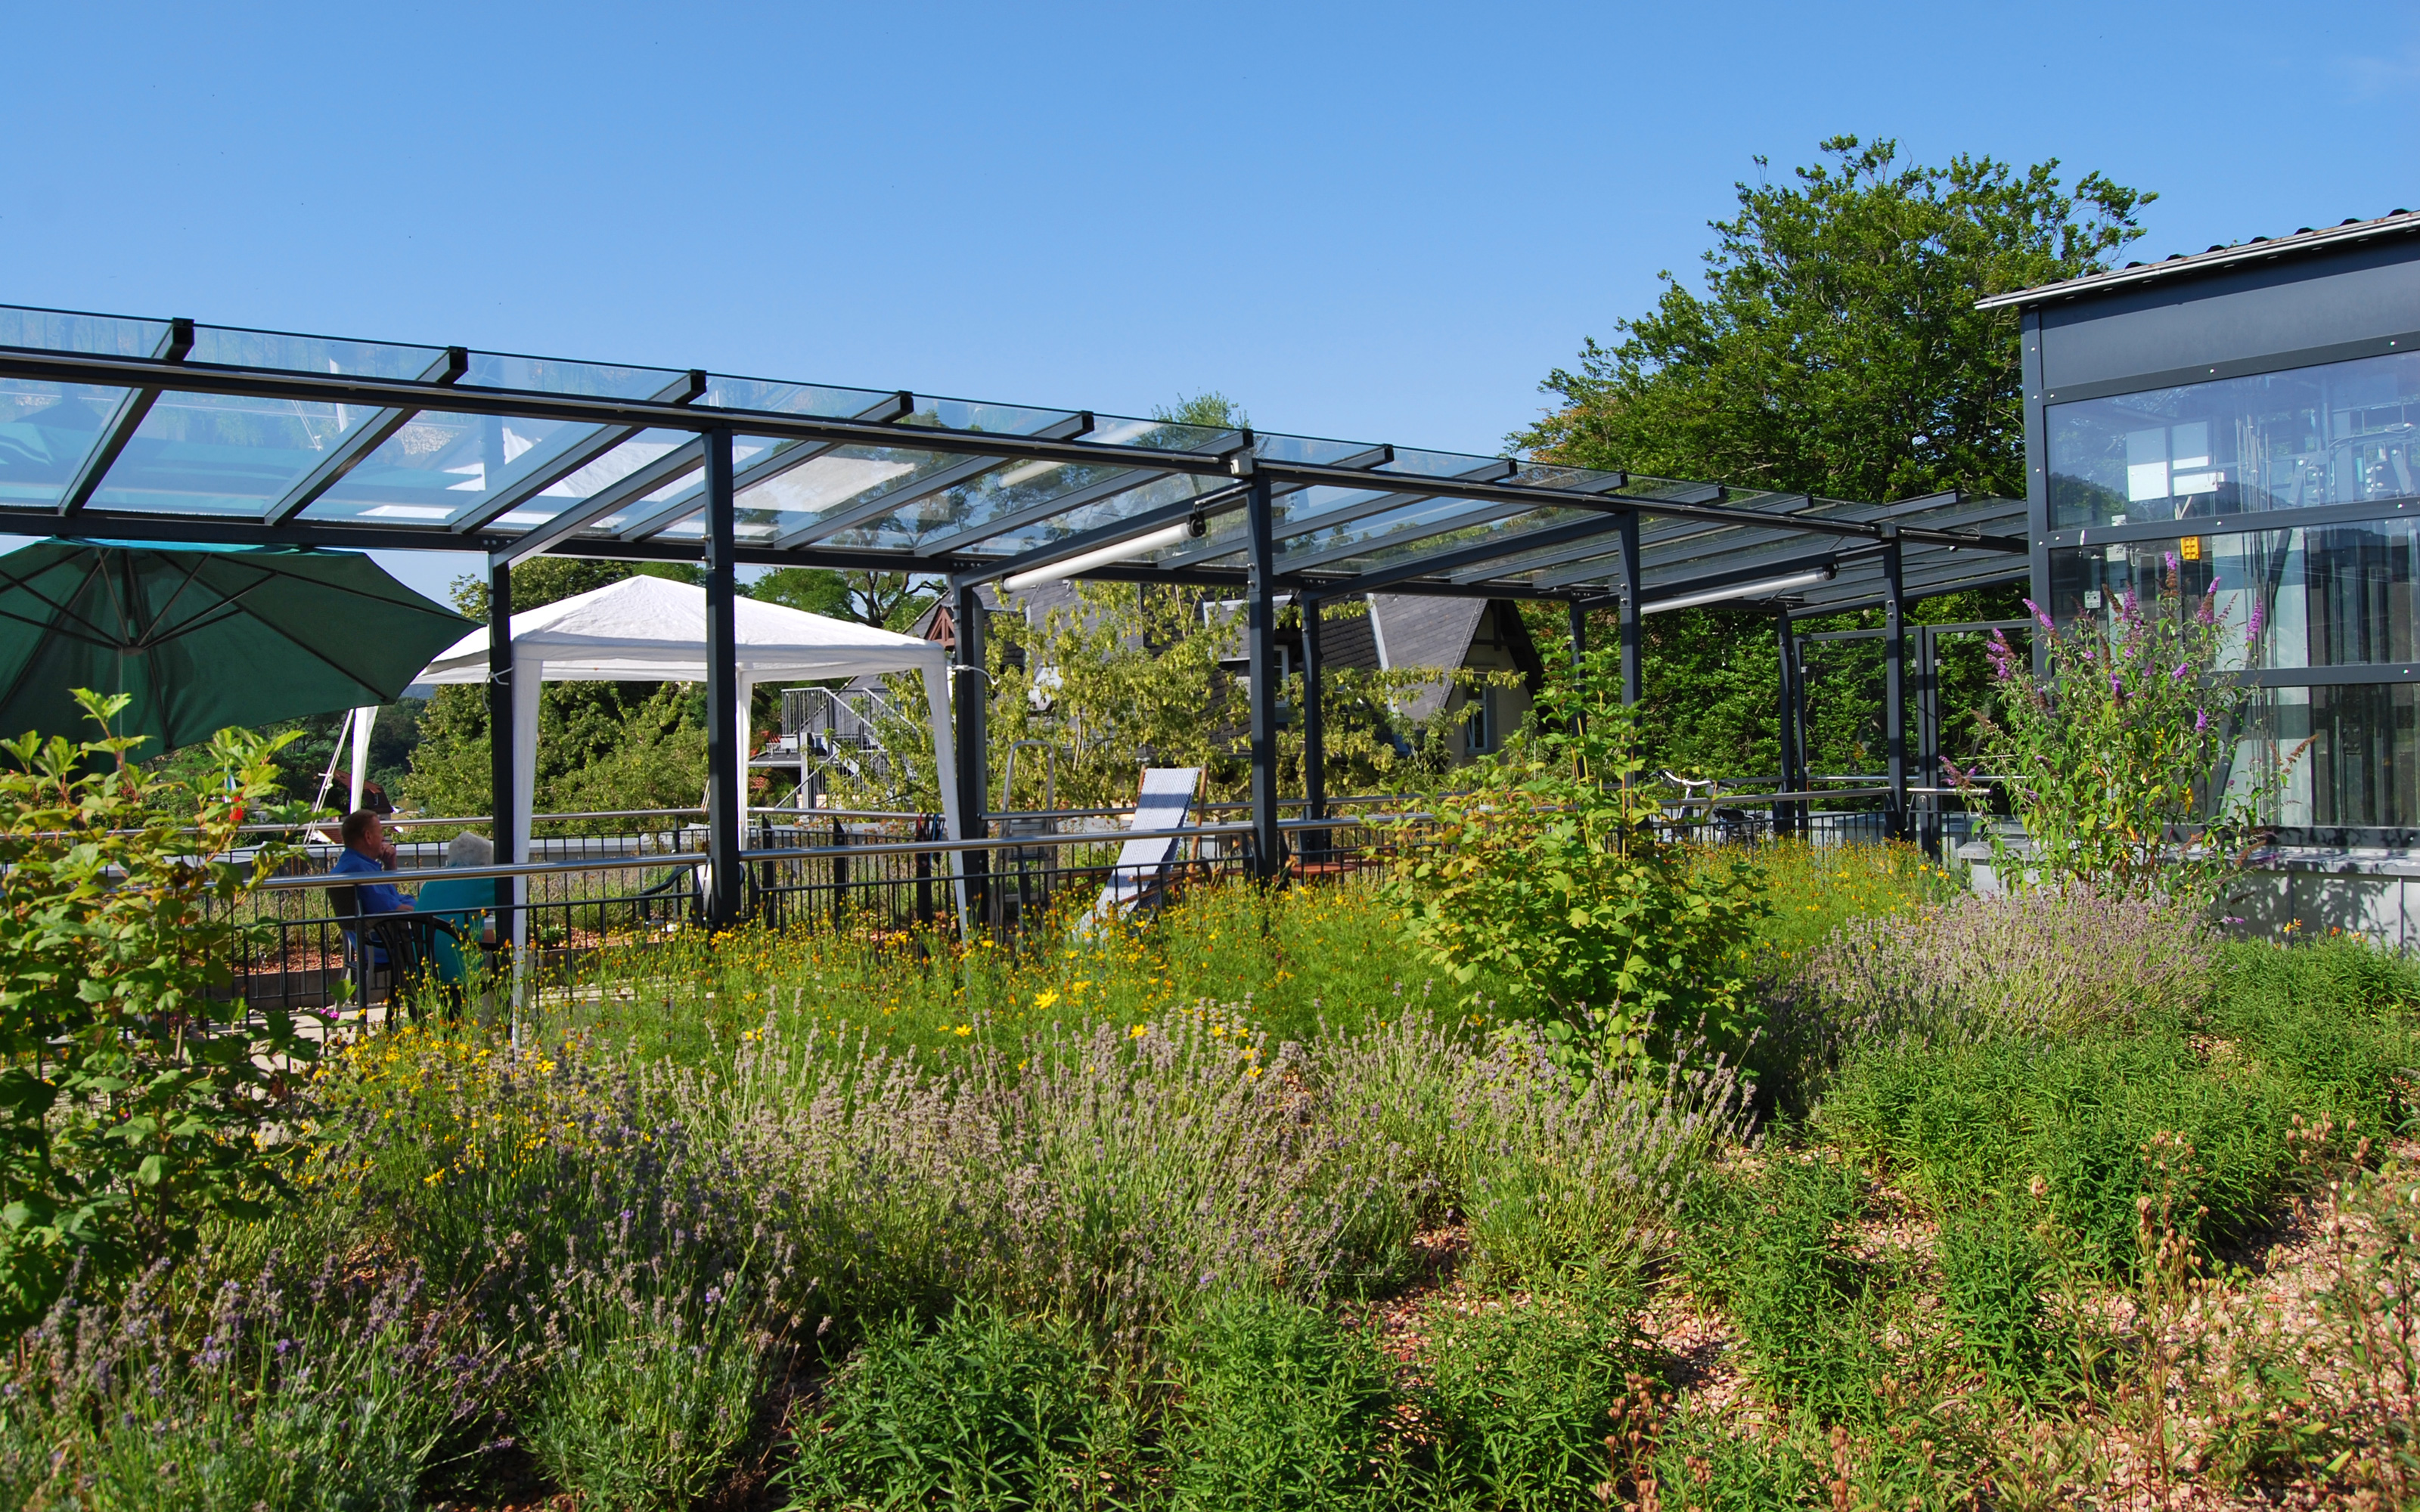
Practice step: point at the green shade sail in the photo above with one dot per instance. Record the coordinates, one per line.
(204, 637)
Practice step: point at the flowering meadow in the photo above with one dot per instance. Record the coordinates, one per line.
(2051, 1200)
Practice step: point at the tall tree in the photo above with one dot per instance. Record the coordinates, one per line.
(1834, 349)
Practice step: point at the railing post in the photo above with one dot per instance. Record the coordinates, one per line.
(1928, 735)
(1895, 677)
(1261, 657)
(1314, 732)
(728, 878)
(1633, 675)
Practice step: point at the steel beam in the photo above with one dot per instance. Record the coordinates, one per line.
(1314, 728)
(723, 754)
(366, 437)
(1634, 672)
(124, 420)
(575, 454)
(923, 489)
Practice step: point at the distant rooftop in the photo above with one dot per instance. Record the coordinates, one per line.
(2306, 240)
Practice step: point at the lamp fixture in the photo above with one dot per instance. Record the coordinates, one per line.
(1191, 528)
(1755, 589)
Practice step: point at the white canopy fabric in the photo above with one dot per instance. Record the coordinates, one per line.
(653, 630)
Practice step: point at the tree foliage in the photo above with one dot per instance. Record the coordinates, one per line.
(133, 1103)
(1835, 348)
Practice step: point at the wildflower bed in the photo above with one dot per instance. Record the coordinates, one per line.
(2045, 1202)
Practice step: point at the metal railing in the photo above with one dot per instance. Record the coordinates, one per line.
(892, 874)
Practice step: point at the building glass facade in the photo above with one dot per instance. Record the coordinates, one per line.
(2338, 432)
(2317, 601)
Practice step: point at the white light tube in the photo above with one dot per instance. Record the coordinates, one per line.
(1185, 529)
(1754, 590)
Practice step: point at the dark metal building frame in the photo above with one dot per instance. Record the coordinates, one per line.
(167, 431)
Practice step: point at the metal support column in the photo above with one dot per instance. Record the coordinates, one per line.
(1895, 678)
(1579, 630)
(970, 700)
(1314, 734)
(727, 881)
(1785, 815)
(500, 737)
(1633, 675)
(1928, 736)
(1260, 651)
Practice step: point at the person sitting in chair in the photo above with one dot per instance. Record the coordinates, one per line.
(369, 852)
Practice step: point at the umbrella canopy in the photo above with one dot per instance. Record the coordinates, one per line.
(204, 638)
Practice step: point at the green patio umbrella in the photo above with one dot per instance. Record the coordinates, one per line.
(203, 637)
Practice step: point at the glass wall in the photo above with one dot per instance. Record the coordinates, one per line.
(2336, 434)
(2336, 596)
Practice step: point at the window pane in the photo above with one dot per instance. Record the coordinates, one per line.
(2338, 595)
(2359, 764)
(2340, 433)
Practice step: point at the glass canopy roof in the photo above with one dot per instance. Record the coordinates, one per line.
(169, 429)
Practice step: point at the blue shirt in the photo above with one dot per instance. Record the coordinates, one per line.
(374, 897)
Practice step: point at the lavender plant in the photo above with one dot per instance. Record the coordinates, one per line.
(293, 1392)
(2053, 960)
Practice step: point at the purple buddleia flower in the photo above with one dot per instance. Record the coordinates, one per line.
(2038, 614)
(2201, 720)
(2117, 685)
(2175, 563)
(2252, 629)
(2179, 675)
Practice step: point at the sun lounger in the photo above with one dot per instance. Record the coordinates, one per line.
(1164, 803)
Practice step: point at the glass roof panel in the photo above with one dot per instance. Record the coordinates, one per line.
(820, 400)
(1166, 490)
(1441, 530)
(48, 429)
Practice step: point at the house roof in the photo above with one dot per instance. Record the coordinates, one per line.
(2260, 249)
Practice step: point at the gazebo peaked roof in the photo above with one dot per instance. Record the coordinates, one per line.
(653, 630)
(172, 430)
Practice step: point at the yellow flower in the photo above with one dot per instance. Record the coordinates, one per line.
(963, 1030)
(1046, 999)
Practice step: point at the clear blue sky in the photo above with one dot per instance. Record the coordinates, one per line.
(1381, 222)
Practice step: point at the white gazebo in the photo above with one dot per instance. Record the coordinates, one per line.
(653, 630)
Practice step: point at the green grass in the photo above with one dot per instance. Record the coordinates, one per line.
(1282, 963)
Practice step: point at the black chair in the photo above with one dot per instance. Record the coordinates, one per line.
(407, 941)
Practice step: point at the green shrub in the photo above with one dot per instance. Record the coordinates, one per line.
(2334, 1017)
(1963, 1121)
(130, 1098)
(1994, 1271)
(1550, 894)
(1282, 1409)
(983, 1411)
(1771, 1246)
(651, 1398)
(1521, 1397)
